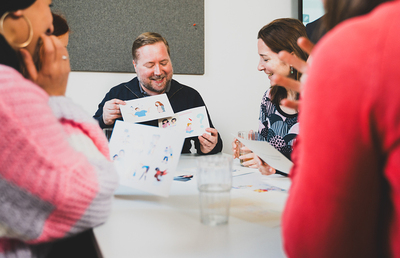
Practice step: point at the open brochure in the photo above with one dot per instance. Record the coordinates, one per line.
(193, 122)
(145, 157)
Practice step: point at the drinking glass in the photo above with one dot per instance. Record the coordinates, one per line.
(214, 181)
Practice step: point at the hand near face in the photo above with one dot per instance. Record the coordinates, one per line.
(208, 142)
(111, 111)
(300, 65)
(53, 75)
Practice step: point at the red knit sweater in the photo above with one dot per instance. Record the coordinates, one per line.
(56, 178)
(345, 196)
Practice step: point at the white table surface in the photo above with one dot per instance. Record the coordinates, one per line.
(145, 225)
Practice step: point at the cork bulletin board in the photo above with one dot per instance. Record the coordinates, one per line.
(102, 32)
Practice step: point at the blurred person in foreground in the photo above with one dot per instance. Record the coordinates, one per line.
(56, 177)
(344, 200)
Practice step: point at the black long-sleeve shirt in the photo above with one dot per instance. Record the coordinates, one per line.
(180, 96)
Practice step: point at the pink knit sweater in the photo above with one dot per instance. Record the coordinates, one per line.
(56, 178)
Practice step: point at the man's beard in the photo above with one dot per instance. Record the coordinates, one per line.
(151, 88)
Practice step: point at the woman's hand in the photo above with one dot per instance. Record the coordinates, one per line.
(235, 148)
(247, 155)
(53, 75)
(255, 162)
(250, 159)
(265, 169)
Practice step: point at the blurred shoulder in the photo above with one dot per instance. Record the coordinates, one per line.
(14, 85)
(363, 32)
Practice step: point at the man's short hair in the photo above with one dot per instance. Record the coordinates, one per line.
(147, 38)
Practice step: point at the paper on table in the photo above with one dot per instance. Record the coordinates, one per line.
(146, 157)
(269, 154)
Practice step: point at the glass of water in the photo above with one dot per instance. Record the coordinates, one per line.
(214, 181)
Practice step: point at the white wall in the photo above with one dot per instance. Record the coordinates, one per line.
(231, 86)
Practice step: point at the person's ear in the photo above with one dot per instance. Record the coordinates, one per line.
(134, 64)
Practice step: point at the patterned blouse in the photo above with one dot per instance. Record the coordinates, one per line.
(277, 127)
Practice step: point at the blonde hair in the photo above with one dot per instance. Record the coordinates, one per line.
(147, 38)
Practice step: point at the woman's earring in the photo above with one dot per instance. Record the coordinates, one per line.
(291, 69)
(28, 41)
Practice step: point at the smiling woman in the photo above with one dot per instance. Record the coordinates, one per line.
(280, 34)
(277, 125)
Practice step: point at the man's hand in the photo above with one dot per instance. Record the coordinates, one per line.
(208, 142)
(111, 111)
(297, 63)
